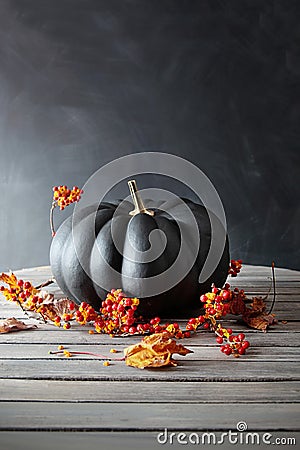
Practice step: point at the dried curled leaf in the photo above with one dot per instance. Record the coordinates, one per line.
(155, 350)
(257, 317)
(12, 324)
(237, 306)
(53, 307)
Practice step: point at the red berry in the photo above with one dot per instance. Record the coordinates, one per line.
(226, 295)
(2, 288)
(20, 283)
(27, 285)
(229, 330)
(245, 345)
(203, 298)
(130, 321)
(215, 290)
(219, 340)
(241, 336)
(187, 334)
(128, 301)
(227, 351)
(206, 325)
(132, 330)
(241, 351)
(83, 305)
(120, 308)
(192, 321)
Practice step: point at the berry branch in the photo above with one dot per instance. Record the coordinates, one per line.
(118, 315)
(63, 197)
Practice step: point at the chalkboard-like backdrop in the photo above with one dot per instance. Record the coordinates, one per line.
(85, 81)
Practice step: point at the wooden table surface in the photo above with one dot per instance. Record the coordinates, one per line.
(48, 401)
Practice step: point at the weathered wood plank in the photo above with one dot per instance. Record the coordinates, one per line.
(145, 416)
(71, 337)
(150, 391)
(230, 369)
(38, 351)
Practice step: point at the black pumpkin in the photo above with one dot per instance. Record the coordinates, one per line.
(96, 249)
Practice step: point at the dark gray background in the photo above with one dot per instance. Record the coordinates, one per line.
(83, 82)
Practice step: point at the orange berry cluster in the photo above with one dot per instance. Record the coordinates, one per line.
(118, 316)
(63, 196)
(217, 304)
(235, 267)
(29, 298)
(21, 292)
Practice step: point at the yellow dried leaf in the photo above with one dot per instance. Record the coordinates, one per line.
(155, 350)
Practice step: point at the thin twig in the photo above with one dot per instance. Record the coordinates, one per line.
(274, 287)
(61, 352)
(46, 283)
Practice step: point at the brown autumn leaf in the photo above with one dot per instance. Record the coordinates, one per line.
(237, 306)
(12, 324)
(257, 317)
(155, 350)
(55, 306)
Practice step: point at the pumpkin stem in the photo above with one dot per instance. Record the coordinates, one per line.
(51, 218)
(139, 207)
